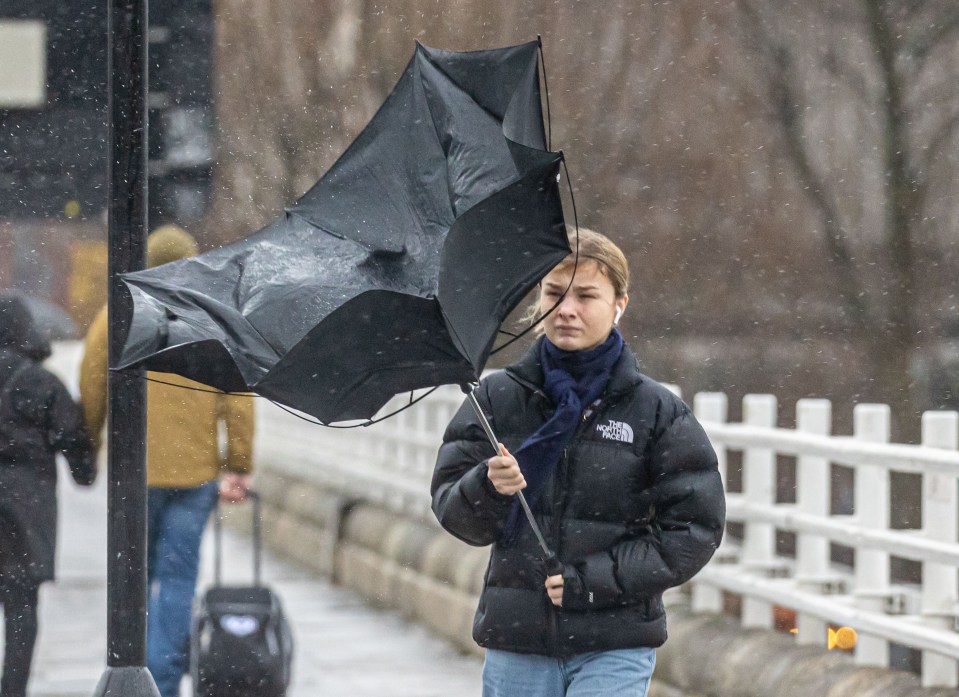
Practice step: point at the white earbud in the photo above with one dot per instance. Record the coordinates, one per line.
(619, 313)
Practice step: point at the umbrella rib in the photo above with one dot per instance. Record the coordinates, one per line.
(337, 235)
(549, 116)
(367, 422)
(293, 213)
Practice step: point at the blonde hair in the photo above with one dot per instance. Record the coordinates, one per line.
(593, 246)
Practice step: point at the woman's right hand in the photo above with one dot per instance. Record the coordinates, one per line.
(504, 473)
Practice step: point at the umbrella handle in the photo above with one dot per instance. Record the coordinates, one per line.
(552, 563)
(554, 567)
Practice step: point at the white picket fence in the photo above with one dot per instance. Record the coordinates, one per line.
(392, 462)
(823, 593)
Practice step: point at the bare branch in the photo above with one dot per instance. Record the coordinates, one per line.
(899, 183)
(941, 33)
(934, 148)
(913, 8)
(785, 99)
(942, 137)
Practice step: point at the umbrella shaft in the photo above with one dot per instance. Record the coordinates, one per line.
(522, 499)
(532, 522)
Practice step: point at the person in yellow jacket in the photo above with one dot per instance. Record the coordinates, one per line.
(185, 473)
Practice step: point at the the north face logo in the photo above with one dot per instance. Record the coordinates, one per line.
(616, 430)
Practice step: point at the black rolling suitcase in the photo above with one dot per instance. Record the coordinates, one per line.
(240, 643)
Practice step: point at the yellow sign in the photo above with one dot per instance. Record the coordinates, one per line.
(842, 638)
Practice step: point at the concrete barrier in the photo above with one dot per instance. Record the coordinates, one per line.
(411, 566)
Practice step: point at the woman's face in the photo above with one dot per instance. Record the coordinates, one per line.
(585, 317)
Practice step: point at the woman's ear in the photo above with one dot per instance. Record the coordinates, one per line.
(620, 309)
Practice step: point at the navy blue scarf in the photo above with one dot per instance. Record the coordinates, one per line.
(572, 380)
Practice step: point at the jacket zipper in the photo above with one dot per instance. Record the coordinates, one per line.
(556, 540)
(553, 629)
(559, 496)
(589, 414)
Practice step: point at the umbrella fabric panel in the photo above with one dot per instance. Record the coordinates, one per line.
(502, 81)
(435, 148)
(477, 158)
(495, 246)
(376, 345)
(258, 297)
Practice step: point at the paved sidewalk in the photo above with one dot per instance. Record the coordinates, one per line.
(343, 648)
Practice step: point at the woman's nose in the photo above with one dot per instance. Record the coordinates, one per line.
(567, 306)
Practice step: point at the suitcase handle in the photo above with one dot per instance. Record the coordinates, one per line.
(218, 540)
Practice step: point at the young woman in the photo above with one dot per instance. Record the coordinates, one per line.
(38, 419)
(622, 481)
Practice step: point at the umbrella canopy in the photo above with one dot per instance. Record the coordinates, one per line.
(395, 270)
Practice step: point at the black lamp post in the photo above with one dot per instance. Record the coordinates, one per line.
(126, 674)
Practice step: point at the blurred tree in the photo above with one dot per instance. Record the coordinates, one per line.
(297, 81)
(631, 101)
(862, 94)
(737, 151)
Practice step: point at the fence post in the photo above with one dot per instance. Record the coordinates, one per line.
(813, 416)
(711, 407)
(759, 488)
(871, 586)
(940, 512)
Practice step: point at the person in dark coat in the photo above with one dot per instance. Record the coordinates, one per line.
(38, 419)
(621, 479)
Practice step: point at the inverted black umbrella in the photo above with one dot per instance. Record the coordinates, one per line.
(395, 270)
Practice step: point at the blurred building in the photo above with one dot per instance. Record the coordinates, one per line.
(54, 138)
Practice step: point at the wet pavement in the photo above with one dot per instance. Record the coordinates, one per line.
(343, 647)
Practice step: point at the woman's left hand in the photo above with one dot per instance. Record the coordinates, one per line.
(554, 589)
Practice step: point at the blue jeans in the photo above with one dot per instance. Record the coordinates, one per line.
(175, 522)
(620, 673)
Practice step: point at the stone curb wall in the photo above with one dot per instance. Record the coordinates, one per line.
(411, 566)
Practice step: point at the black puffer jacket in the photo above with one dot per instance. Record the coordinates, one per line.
(636, 507)
(38, 419)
